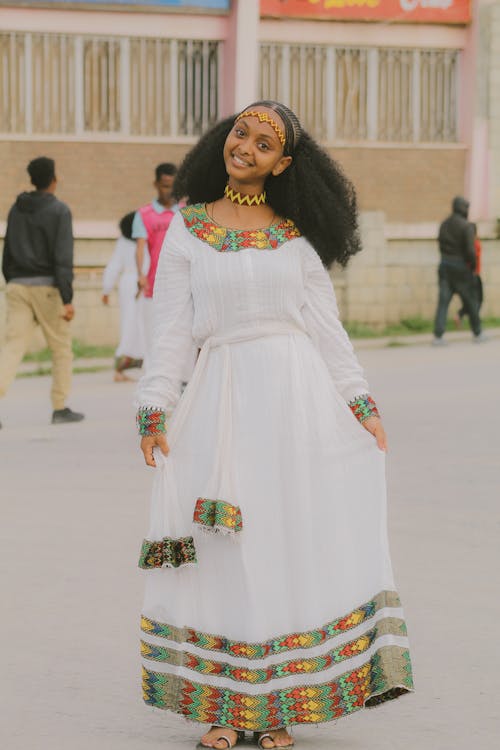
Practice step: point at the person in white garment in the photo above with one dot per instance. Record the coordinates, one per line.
(270, 598)
(122, 269)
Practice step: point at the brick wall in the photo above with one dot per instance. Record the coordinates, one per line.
(99, 181)
(407, 184)
(102, 181)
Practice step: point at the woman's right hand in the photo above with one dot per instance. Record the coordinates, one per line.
(148, 442)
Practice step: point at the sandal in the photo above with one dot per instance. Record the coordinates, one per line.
(260, 736)
(240, 737)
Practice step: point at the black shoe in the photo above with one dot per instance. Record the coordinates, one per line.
(60, 416)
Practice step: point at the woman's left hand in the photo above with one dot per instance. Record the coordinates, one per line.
(376, 428)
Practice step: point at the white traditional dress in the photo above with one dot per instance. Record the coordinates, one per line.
(122, 266)
(287, 613)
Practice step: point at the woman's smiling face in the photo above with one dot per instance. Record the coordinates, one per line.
(253, 151)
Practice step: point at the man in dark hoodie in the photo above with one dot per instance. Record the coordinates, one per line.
(38, 267)
(458, 261)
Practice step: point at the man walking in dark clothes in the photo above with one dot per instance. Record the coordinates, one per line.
(456, 270)
(38, 267)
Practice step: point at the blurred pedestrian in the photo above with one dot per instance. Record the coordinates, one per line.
(38, 267)
(478, 283)
(456, 269)
(122, 267)
(149, 228)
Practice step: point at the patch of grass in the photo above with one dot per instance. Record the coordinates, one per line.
(361, 330)
(87, 351)
(80, 351)
(95, 368)
(408, 327)
(41, 371)
(35, 373)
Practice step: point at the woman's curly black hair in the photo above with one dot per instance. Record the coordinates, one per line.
(313, 191)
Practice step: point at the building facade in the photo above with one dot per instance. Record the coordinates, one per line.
(403, 93)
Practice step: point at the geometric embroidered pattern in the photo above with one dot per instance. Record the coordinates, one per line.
(364, 407)
(216, 515)
(278, 645)
(387, 626)
(385, 676)
(167, 553)
(225, 240)
(150, 420)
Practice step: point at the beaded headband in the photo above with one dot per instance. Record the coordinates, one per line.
(264, 117)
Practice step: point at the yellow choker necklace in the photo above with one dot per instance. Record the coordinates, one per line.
(244, 200)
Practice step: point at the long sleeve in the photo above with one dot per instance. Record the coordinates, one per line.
(321, 316)
(63, 256)
(468, 246)
(113, 269)
(174, 351)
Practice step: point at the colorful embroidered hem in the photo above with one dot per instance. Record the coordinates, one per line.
(301, 666)
(225, 240)
(216, 515)
(374, 682)
(369, 668)
(150, 420)
(363, 407)
(365, 670)
(168, 553)
(280, 645)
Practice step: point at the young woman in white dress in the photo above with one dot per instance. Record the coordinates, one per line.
(270, 598)
(122, 269)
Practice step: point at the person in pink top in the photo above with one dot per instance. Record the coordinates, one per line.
(148, 230)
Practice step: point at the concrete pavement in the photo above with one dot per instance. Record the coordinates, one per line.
(74, 504)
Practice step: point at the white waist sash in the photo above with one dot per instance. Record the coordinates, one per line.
(220, 484)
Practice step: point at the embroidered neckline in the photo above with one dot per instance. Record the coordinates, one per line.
(224, 239)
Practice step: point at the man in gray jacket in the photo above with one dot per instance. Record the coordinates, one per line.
(38, 267)
(458, 261)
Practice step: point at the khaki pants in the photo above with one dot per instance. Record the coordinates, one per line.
(27, 306)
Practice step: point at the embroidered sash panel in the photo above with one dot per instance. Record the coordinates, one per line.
(167, 553)
(370, 667)
(217, 515)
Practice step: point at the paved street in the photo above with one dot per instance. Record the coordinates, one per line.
(74, 503)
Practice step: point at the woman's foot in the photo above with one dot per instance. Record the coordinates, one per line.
(216, 738)
(120, 377)
(276, 738)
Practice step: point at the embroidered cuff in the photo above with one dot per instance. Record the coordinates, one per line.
(150, 420)
(363, 407)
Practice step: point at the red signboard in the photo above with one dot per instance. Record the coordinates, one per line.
(405, 11)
